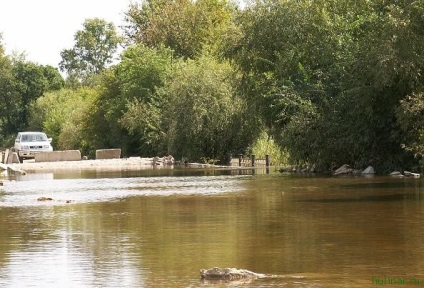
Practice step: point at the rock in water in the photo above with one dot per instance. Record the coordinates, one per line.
(229, 274)
(369, 170)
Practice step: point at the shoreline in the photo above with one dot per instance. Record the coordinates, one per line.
(132, 163)
(116, 164)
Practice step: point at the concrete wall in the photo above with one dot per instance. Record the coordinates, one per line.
(68, 155)
(108, 153)
(12, 158)
(8, 157)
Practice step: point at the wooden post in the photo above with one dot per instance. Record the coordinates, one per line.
(240, 159)
(267, 160)
(253, 160)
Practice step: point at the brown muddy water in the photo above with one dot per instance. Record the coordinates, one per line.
(158, 228)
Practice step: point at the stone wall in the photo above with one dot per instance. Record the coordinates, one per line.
(68, 155)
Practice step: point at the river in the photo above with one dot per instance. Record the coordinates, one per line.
(158, 228)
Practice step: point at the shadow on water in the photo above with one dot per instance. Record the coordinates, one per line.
(368, 189)
(368, 198)
(383, 185)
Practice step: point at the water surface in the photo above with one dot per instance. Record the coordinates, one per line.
(158, 228)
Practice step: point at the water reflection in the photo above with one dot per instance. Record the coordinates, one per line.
(84, 190)
(159, 231)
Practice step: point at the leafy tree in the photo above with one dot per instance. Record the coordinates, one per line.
(328, 76)
(21, 83)
(94, 49)
(54, 80)
(141, 72)
(64, 115)
(187, 27)
(9, 99)
(205, 116)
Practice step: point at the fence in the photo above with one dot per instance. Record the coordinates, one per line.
(250, 161)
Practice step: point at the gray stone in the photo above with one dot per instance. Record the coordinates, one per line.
(369, 170)
(344, 169)
(229, 274)
(410, 174)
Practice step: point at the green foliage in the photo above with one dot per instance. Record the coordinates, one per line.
(94, 48)
(205, 118)
(328, 76)
(331, 81)
(9, 100)
(21, 83)
(266, 145)
(142, 70)
(410, 116)
(63, 115)
(187, 27)
(129, 105)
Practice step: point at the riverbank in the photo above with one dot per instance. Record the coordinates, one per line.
(117, 164)
(132, 163)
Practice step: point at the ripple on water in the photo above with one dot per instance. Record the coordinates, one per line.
(63, 191)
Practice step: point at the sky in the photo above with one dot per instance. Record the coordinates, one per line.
(42, 28)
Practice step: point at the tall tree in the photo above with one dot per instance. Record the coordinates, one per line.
(93, 50)
(328, 75)
(131, 106)
(205, 116)
(9, 99)
(187, 27)
(21, 83)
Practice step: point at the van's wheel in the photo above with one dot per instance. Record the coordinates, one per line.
(21, 159)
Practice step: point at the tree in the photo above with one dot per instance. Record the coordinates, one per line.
(94, 49)
(205, 117)
(141, 73)
(187, 27)
(64, 116)
(9, 99)
(21, 83)
(327, 76)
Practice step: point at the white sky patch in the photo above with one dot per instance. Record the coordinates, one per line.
(42, 28)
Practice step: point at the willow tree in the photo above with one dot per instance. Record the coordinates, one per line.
(205, 117)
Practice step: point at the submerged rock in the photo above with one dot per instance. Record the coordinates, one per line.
(44, 199)
(228, 274)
